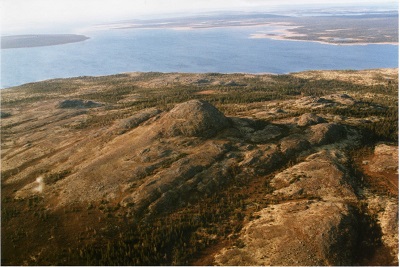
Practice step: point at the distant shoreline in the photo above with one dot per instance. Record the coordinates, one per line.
(299, 73)
(282, 34)
(333, 30)
(284, 37)
(37, 40)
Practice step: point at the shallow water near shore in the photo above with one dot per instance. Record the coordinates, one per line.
(224, 50)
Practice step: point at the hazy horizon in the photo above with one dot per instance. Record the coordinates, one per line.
(19, 16)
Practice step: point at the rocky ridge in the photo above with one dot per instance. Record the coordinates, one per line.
(309, 206)
(313, 200)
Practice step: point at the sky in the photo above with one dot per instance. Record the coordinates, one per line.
(30, 15)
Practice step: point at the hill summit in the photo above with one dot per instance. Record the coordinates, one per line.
(193, 118)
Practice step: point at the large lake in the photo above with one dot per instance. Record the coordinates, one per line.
(225, 50)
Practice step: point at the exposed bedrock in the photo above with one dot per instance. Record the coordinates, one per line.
(304, 232)
(193, 118)
(310, 219)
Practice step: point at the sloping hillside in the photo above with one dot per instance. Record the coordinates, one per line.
(227, 169)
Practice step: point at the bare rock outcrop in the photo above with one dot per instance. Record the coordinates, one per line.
(326, 133)
(386, 158)
(389, 223)
(293, 144)
(322, 175)
(296, 233)
(308, 119)
(314, 102)
(386, 210)
(312, 224)
(263, 159)
(193, 118)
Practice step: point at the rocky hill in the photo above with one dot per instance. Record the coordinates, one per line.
(201, 169)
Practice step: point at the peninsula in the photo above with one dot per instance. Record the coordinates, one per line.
(35, 40)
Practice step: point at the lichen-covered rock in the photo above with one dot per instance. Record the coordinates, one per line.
(386, 210)
(193, 118)
(296, 233)
(321, 175)
(389, 222)
(312, 226)
(386, 158)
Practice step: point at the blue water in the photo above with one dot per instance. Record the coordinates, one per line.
(224, 50)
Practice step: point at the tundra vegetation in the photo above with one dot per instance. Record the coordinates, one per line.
(190, 169)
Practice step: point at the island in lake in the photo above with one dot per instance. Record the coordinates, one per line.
(35, 40)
